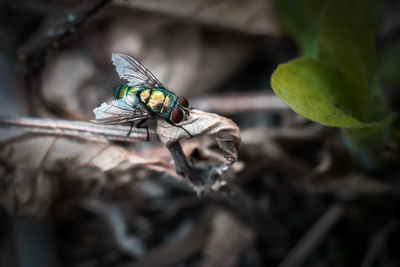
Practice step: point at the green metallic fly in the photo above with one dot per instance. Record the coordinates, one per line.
(143, 98)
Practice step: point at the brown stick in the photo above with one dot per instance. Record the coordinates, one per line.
(78, 129)
(239, 103)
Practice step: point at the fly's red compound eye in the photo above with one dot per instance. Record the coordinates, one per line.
(183, 102)
(176, 115)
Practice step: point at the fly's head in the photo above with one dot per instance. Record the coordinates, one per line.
(181, 110)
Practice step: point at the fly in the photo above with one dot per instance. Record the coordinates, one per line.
(144, 97)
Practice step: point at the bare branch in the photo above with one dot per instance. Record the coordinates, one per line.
(78, 129)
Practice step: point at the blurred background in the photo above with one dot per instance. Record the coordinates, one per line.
(85, 202)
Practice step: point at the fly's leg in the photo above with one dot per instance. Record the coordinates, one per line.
(191, 136)
(130, 129)
(140, 125)
(170, 122)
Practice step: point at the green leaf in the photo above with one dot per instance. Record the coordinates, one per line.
(299, 19)
(320, 93)
(337, 85)
(346, 41)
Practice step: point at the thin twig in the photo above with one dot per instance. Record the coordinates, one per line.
(378, 242)
(35, 50)
(313, 237)
(78, 129)
(239, 103)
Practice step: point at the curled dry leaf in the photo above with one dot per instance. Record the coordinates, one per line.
(199, 123)
(31, 184)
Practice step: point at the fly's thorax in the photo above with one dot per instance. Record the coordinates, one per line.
(159, 101)
(168, 104)
(156, 100)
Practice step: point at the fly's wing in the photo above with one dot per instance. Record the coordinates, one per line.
(120, 112)
(133, 71)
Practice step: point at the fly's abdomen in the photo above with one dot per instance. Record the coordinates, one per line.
(120, 92)
(127, 93)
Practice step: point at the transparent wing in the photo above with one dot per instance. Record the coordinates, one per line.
(133, 71)
(120, 112)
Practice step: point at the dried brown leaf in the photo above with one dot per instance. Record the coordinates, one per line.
(31, 150)
(33, 186)
(199, 123)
